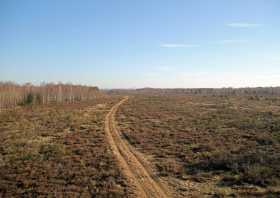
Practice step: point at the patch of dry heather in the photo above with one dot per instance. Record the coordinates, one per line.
(58, 151)
(208, 146)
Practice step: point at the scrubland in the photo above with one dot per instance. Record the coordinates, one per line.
(190, 145)
(58, 151)
(208, 146)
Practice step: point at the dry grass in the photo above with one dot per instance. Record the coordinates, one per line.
(223, 146)
(201, 146)
(58, 151)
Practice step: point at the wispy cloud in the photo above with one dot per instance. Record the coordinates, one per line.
(178, 45)
(244, 25)
(233, 41)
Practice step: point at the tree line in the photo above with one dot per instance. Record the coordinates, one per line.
(12, 94)
(246, 91)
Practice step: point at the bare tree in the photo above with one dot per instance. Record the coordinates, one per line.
(12, 94)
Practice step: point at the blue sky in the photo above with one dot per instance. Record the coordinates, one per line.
(129, 44)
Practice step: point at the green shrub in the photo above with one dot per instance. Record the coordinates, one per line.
(29, 98)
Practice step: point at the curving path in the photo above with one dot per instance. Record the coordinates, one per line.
(143, 184)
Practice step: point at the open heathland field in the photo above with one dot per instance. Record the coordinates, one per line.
(207, 146)
(58, 151)
(142, 145)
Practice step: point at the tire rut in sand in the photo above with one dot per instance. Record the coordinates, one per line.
(139, 179)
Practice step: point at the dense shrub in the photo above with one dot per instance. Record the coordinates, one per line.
(252, 167)
(29, 99)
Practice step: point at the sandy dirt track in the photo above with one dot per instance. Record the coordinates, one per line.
(142, 183)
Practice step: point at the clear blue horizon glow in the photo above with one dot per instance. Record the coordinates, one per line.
(132, 44)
